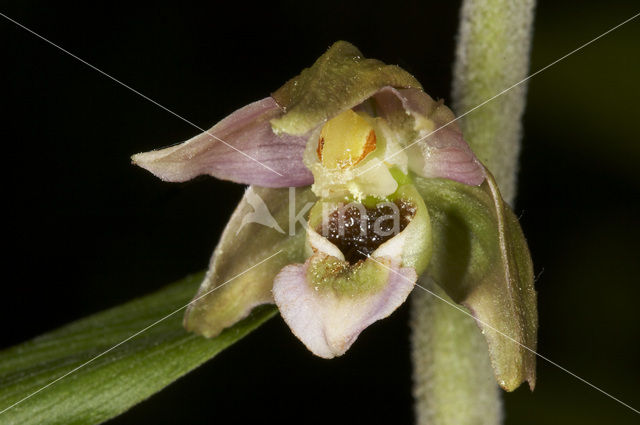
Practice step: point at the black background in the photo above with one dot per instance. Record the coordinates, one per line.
(84, 230)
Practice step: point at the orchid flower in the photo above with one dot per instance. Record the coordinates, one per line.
(387, 194)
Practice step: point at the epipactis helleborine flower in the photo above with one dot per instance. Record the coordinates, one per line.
(390, 193)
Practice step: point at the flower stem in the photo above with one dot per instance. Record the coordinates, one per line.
(454, 382)
(453, 378)
(494, 42)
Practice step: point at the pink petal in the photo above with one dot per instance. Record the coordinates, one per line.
(442, 152)
(328, 323)
(241, 148)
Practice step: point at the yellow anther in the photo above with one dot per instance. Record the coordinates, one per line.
(345, 140)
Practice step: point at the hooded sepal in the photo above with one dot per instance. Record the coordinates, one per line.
(482, 261)
(242, 148)
(339, 80)
(249, 238)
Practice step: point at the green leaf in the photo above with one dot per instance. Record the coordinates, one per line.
(249, 239)
(119, 379)
(340, 79)
(482, 261)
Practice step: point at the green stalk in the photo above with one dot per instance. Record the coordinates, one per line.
(494, 42)
(453, 379)
(454, 382)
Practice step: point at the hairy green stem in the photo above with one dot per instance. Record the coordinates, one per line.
(494, 42)
(453, 379)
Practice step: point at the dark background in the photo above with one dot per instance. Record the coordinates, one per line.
(84, 230)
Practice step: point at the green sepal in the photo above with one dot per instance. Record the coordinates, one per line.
(340, 79)
(234, 261)
(482, 261)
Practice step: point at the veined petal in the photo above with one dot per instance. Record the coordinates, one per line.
(250, 237)
(327, 303)
(435, 145)
(241, 148)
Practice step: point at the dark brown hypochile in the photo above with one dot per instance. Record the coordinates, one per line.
(357, 241)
